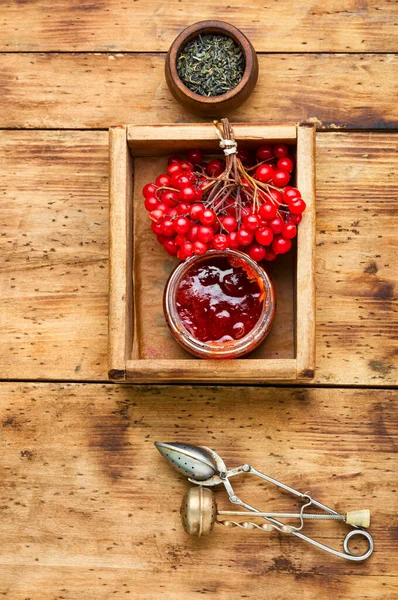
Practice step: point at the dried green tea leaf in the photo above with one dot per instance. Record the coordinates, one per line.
(211, 65)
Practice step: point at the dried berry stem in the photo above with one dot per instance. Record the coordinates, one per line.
(235, 184)
(236, 181)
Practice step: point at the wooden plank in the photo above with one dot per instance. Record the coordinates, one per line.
(89, 509)
(120, 235)
(54, 246)
(47, 176)
(357, 203)
(98, 91)
(146, 140)
(206, 371)
(305, 291)
(119, 25)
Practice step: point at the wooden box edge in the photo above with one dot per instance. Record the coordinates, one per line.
(122, 366)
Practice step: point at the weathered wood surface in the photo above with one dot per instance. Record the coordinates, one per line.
(357, 191)
(89, 509)
(151, 25)
(54, 246)
(121, 309)
(54, 276)
(97, 91)
(306, 286)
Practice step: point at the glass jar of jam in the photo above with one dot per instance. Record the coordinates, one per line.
(219, 305)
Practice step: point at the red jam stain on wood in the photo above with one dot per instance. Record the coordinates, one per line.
(220, 300)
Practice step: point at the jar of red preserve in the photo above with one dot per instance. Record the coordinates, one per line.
(220, 304)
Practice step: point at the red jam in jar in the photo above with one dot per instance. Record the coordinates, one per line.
(218, 300)
(220, 304)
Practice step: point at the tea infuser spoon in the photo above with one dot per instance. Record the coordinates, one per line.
(206, 469)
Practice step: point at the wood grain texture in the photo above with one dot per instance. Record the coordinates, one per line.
(98, 91)
(357, 254)
(89, 509)
(161, 136)
(259, 370)
(152, 25)
(54, 246)
(305, 284)
(120, 338)
(66, 324)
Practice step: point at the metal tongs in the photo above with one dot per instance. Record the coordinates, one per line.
(206, 469)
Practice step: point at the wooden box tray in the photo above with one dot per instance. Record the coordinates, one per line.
(141, 349)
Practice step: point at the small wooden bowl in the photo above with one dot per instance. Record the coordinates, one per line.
(216, 106)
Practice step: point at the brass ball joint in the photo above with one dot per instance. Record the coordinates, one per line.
(199, 512)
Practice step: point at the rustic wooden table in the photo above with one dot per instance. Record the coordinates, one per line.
(88, 509)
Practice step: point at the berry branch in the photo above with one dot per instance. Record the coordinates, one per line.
(200, 205)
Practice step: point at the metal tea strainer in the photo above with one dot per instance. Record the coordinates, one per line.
(199, 512)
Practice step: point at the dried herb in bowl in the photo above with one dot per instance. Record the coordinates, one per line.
(211, 65)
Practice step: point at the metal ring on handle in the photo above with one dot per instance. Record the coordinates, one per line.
(366, 535)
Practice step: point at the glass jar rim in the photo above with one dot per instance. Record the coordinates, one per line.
(229, 349)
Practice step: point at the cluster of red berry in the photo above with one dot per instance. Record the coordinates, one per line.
(199, 205)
